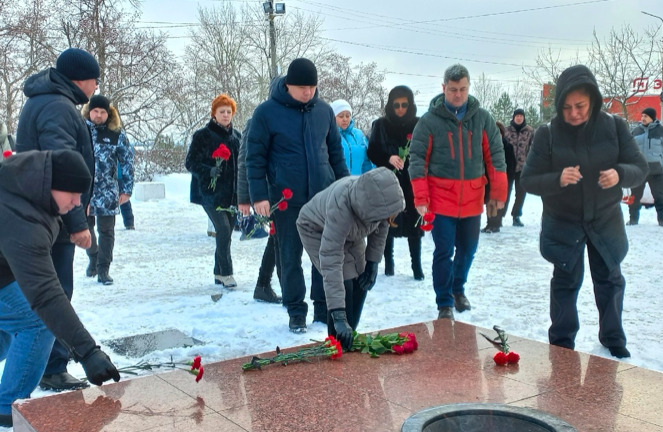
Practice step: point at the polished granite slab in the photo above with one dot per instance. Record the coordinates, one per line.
(357, 393)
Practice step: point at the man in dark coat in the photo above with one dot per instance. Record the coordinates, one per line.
(35, 189)
(294, 143)
(579, 166)
(50, 121)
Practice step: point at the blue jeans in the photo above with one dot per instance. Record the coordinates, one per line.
(450, 269)
(25, 342)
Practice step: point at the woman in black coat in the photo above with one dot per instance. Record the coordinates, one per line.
(389, 146)
(579, 166)
(204, 169)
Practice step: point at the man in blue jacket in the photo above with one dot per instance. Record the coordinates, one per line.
(50, 121)
(294, 144)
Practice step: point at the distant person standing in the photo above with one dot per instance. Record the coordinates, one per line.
(519, 135)
(214, 180)
(294, 143)
(456, 146)
(649, 137)
(494, 223)
(50, 121)
(354, 141)
(111, 149)
(389, 146)
(579, 166)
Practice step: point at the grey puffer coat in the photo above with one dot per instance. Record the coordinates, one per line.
(334, 223)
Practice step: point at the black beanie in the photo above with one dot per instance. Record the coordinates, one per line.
(651, 112)
(518, 111)
(69, 173)
(302, 72)
(77, 65)
(99, 101)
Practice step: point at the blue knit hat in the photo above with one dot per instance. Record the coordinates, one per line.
(77, 65)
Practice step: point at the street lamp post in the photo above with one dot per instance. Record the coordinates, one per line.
(272, 9)
(661, 95)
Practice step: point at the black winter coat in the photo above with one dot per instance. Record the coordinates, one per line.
(29, 225)
(575, 213)
(292, 145)
(50, 121)
(388, 134)
(199, 162)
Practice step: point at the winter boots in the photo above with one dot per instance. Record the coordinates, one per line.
(103, 277)
(265, 293)
(226, 281)
(461, 302)
(517, 222)
(445, 312)
(414, 242)
(91, 270)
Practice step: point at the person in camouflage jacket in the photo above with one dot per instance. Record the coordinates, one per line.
(111, 149)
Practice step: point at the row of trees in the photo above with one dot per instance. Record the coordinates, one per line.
(164, 98)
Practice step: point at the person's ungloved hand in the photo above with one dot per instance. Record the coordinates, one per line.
(343, 330)
(491, 208)
(215, 171)
(367, 279)
(99, 368)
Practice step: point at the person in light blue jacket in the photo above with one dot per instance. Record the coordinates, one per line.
(354, 141)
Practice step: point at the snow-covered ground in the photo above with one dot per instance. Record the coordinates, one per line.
(163, 280)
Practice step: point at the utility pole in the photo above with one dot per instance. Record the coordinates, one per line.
(271, 11)
(660, 114)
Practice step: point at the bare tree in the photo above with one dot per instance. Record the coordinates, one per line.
(486, 91)
(24, 50)
(620, 58)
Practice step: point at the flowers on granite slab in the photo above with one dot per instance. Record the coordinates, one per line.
(329, 348)
(375, 345)
(504, 356)
(194, 367)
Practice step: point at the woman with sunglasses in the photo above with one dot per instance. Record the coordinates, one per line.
(389, 146)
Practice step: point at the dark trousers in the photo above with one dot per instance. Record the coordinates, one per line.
(63, 261)
(291, 249)
(127, 214)
(656, 186)
(354, 304)
(223, 222)
(456, 242)
(517, 209)
(608, 292)
(103, 250)
(270, 260)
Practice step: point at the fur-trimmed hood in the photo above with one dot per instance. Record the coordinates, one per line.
(113, 123)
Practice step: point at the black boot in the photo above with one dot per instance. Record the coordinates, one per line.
(103, 277)
(414, 242)
(266, 294)
(389, 256)
(91, 270)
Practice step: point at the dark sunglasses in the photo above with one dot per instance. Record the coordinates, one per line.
(398, 105)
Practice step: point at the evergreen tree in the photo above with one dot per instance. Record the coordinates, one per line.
(502, 110)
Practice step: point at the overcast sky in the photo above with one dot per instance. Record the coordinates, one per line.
(416, 40)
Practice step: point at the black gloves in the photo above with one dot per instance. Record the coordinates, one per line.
(343, 330)
(215, 171)
(98, 367)
(366, 280)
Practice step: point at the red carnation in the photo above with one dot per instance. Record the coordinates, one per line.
(513, 357)
(196, 363)
(272, 228)
(500, 358)
(429, 217)
(282, 205)
(408, 347)
(426, 227)
(6, 153)
(287, 193)
(200, 374)
(398, 349)
(222, 152)
(409, 137)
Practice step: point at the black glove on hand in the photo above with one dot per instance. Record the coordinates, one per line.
(99, 368)
(343, 330)
(215, 171)
(367, 279)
